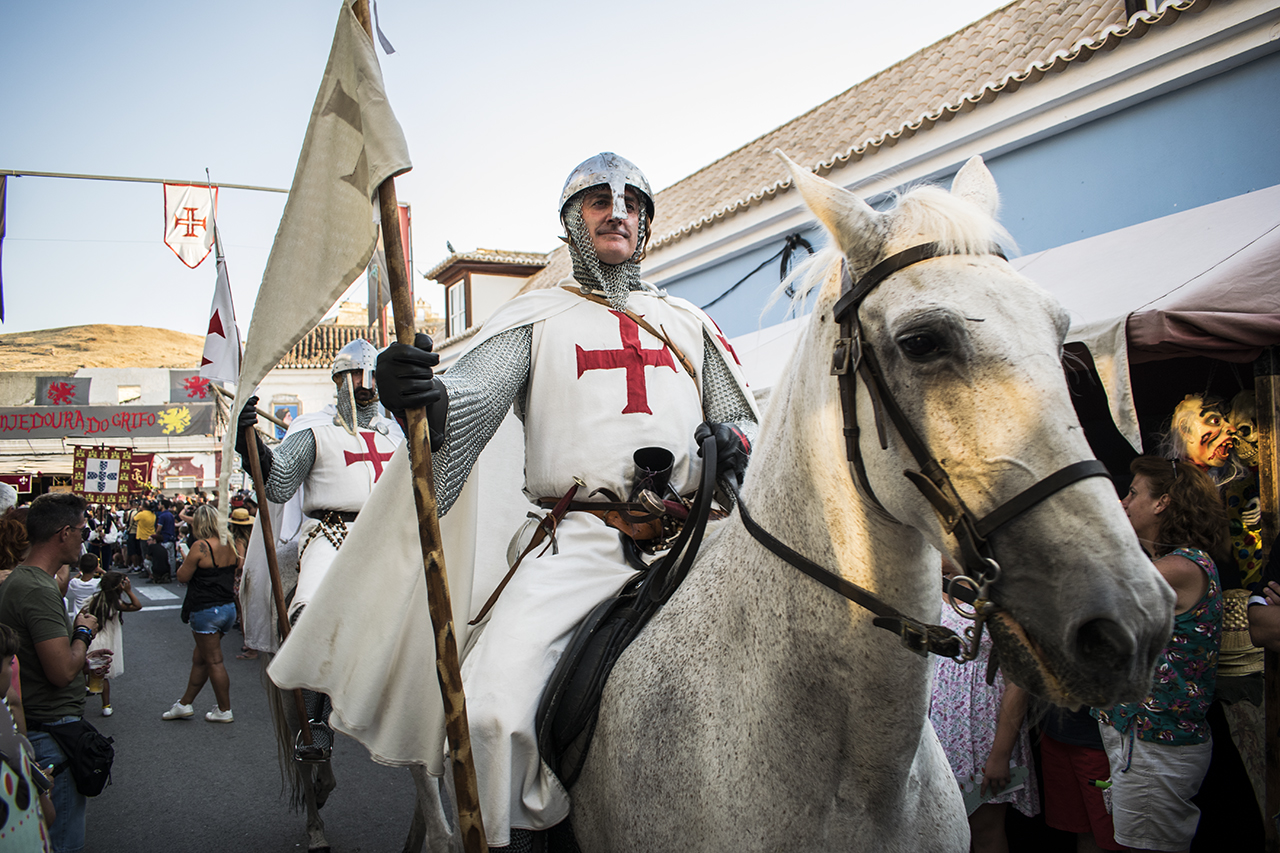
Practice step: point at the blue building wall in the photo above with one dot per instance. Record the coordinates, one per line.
(1212, 140)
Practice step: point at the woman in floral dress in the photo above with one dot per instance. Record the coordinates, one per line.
(984, 734)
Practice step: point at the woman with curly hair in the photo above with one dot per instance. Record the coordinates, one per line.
(13, 541)
(1159, 749)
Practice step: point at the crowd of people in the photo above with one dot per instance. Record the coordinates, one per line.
(67, 571)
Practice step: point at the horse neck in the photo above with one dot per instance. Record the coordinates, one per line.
(800, 489)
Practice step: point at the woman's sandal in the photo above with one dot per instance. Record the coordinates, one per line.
(247, 655)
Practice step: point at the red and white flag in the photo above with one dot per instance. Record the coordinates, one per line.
(188, 221)
(221, 359)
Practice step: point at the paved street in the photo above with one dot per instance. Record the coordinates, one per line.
(189, 786)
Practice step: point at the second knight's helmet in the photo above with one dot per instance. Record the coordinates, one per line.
(359, 355)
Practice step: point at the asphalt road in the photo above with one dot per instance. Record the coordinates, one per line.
(190, 786)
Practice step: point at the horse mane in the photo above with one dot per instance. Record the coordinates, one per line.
(922, 214)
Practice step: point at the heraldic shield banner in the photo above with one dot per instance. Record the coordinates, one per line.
(102, 474)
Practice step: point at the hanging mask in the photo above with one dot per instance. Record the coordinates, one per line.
(1204, 430)
(1244, 420)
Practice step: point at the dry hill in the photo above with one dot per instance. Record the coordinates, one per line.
(99, 345)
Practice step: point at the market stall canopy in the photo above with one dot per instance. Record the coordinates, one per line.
(1203, 282)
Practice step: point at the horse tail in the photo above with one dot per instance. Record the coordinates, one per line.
(284, 719)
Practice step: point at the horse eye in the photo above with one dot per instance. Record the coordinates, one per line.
(920, 345)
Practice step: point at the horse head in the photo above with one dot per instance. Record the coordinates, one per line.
(971, 406)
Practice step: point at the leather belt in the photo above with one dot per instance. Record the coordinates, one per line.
(330, 514)
(638, 510)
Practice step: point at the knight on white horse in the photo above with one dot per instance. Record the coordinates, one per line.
(597, 368)
(759, 710)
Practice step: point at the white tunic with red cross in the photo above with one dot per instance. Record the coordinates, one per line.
(601, 387)
(346, 466)
(341, 479)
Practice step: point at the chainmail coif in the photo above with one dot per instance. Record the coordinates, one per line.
(614, 281)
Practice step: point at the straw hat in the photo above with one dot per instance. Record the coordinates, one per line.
(241, 517)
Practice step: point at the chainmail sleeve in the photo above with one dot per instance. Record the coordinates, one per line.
(290, 464)
(723, 399)
(482, 384)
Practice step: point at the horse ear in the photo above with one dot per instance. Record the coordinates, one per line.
(975, 183)
(858, 230)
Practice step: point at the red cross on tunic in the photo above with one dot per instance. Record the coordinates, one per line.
(372, 456)
(632, 358)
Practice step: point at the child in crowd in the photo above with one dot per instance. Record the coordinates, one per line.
(82, 586)
(106, 605)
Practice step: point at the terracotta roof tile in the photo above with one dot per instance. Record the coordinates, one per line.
(489, 256)
(1012, 46)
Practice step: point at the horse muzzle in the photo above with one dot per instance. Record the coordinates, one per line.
(1106, 663)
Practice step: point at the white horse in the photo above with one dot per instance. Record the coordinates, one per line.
(760, 710)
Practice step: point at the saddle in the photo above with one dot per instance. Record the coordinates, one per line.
(570, 705)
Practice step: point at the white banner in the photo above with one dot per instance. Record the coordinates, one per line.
(221, 359)
(188, 221)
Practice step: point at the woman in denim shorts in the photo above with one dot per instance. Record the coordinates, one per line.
(209, 572)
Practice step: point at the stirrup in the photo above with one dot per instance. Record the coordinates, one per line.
(310, 754)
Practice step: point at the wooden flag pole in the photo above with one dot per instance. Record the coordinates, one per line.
(273, 567)
(448, 670)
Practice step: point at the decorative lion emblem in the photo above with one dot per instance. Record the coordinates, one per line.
(61, 393)
(196, 387)
(175, 420)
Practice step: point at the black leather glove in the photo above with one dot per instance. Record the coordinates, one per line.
(249, 418)
(406, 381)
(732, 448)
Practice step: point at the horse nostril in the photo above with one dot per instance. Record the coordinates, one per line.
(1104, 643)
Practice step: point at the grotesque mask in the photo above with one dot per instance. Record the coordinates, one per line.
(1201, 427)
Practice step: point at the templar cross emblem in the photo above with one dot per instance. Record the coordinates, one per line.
(189, 221)
(98, 480)
(372, 456)
(632, 358)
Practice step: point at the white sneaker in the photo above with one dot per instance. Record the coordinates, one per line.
(178, 711)
(106, 711)
(216, 716)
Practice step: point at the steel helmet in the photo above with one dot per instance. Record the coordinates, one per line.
(357, 355)
(618, 173)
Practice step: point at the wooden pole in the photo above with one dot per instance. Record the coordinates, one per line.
(273, 567)
(1266, 387)
(229, 397)
(448, 669)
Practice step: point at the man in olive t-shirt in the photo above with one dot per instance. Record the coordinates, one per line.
(53, 655)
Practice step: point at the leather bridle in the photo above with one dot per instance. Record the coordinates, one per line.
(853, 357)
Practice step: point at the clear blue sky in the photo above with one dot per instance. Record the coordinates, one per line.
(498, 102)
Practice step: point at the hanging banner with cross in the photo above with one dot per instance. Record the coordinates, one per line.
(188, 221)
(102, 475)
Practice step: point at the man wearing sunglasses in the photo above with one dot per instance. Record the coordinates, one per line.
(53, 655)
